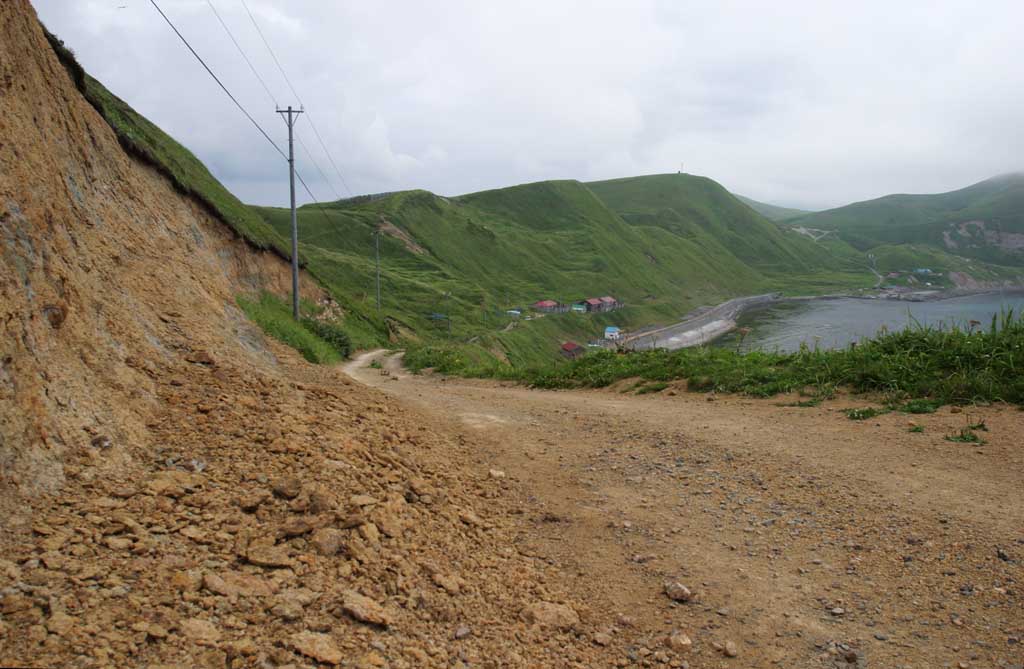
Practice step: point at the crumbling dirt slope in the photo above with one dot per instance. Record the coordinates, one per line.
(178, 491)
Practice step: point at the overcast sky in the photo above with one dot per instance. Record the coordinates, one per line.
(811, 104)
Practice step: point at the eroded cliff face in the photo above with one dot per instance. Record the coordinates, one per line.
(179, 491)
(107, 273)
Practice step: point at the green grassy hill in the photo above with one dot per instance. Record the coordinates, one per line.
(700, 209)
(772, 212)
(475, 256)
(984, 221)
(662, 244)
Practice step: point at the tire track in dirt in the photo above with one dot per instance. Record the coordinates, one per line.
(809, 539)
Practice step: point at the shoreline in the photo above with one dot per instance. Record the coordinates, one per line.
(706, 324)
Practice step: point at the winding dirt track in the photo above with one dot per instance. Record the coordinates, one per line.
(808, 539)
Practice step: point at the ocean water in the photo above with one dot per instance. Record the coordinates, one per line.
(837, 323)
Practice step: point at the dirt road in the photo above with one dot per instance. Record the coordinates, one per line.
(807, 539)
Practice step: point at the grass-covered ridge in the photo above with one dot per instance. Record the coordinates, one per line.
(772, 212)
(983, 221)
(939, 365)
(145, 140)
(475, 256)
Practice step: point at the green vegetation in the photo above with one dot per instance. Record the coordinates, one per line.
(864, 413)
(652, 388)
(330, 333)
(473, 257)
(980, 425)
(937, 365)
(919, 406)
(916, 429)
(453, 267)
(274, 316)
(965, 436)
(146, 141)
(771, 211)
(971, 222)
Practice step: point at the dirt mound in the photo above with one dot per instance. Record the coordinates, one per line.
(177, 490)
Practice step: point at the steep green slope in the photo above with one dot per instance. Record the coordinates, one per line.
(698, 208)
(983, 221)
(772, 212)
(145, 140)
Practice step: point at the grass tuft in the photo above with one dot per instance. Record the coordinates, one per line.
(864, 413)
(274, 316)
(652, 388)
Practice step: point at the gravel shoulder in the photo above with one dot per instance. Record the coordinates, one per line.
(807, 539)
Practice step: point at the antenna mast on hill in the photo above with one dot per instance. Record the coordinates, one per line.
(291, 116)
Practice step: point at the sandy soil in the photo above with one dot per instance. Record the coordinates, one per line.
(807, 538)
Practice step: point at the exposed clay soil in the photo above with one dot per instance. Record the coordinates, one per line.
(178, 491)
(808, 539)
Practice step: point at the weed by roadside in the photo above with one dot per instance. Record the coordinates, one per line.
(864, 413)
(964, 436)
(274, 317)
(968, 433)
(919, 406)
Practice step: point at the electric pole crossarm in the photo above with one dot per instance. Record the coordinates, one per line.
(291, 115)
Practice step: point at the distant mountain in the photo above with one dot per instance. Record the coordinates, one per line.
(772, 211)
(693, 206)
(983, 221)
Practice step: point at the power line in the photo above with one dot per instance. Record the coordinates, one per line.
(270, 94)
(299, 99)
(242, 52)
(323, 176)
(219, 83)
(239, 105)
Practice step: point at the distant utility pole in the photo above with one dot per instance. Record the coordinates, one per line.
(376, 236)
(290, 116)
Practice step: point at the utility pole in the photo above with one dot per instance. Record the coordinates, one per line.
(376, 236)
(288, 116)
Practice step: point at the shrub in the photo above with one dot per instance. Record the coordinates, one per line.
(275, 318)
(864, 414)
(330, 333)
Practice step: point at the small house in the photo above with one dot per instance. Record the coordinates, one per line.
(594, 304)
(609, 303)
(547, 306)
(514, 313)
(580, 307)
(612, 333)
(572, 350)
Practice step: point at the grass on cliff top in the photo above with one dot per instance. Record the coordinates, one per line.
(145, 140)
(951, 365)
(186, 172)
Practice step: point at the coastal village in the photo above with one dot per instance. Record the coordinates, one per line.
(571, 349)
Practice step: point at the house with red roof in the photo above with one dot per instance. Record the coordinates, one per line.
(549, 306)
(572, 350)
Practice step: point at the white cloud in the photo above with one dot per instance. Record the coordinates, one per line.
(800, 103)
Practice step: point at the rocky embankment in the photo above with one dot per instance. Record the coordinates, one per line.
(179, 491)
